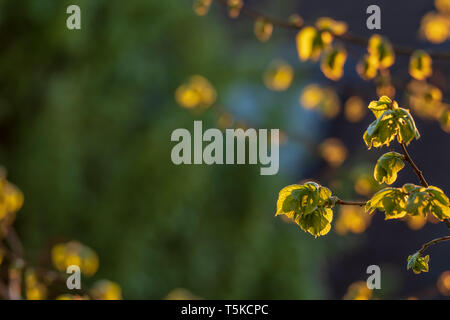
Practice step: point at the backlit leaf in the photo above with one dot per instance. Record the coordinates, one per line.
(420, 65)
(418, 263)
(387, 167)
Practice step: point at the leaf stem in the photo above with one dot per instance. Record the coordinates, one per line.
(426, 245)
(413, 165)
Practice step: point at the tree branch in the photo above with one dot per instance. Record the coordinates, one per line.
(348, 36)
(426, 245)
(419, 174)
(413, 165)
(351, 203)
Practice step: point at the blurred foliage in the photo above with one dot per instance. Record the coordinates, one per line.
(85, 128)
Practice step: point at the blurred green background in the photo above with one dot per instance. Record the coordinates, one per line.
(85, 124)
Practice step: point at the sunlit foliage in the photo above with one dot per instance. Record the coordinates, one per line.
(410, 199)
(333, 151)
(443, 283)
(352, 219)
(416, 222)
(445, 120)
(354, 109)
(387, 167)
(417, 263)
(35, 290)
(322, 99)
(106, 290)
(296, 20)
(425, 99)
(197, 92)
(380, 56)
(367, 67)
(234, 8)
(74, 253)
(391, 122)
(181, 294)
(309, 205)
(332, 64)
(263, 29)
(358, 291)
(420, 65)
(201, 7)
(11, 200)
(435, 27)
(278, 76)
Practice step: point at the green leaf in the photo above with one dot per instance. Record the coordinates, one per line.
(383, 104)
(427, 200)
(286, 203)
(308, 205)
(317, 223)
(387, 167)
(390, 124)
(390, 200)
(418, 263)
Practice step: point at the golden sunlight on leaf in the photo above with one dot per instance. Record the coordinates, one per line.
(333, 151)
(309, 205)
(352, 219)
(11, 200)
(380, 48)
(71, 297)
(443, 283)
(74, 253)
(309, 43)
(420, 65)
(384, 85)
(425, 99)
(296, 20)
(367, 67)
(365, 184)
(197, 92)
(263, 29)
(332, 26)
(417, 263)
(278, 76)
(106, 290)
(354, 109)
(416, 222)
(34, 289)
(358, 291)
(332, 64)
(445, 120)
(435, 27)
(324, 100)
(181, 294)
(442, 5)
(201, 7)
(234, 8)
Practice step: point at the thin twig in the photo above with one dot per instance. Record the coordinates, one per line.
(348, 36)
(413, 165)
(351, 203)
(426, 245)
(419, 174)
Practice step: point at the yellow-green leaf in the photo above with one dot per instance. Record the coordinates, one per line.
(420, 65)
(390, 200)
(318, 222)
(387, 167)
(309, 205)
(332, 63)
(418, 263)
